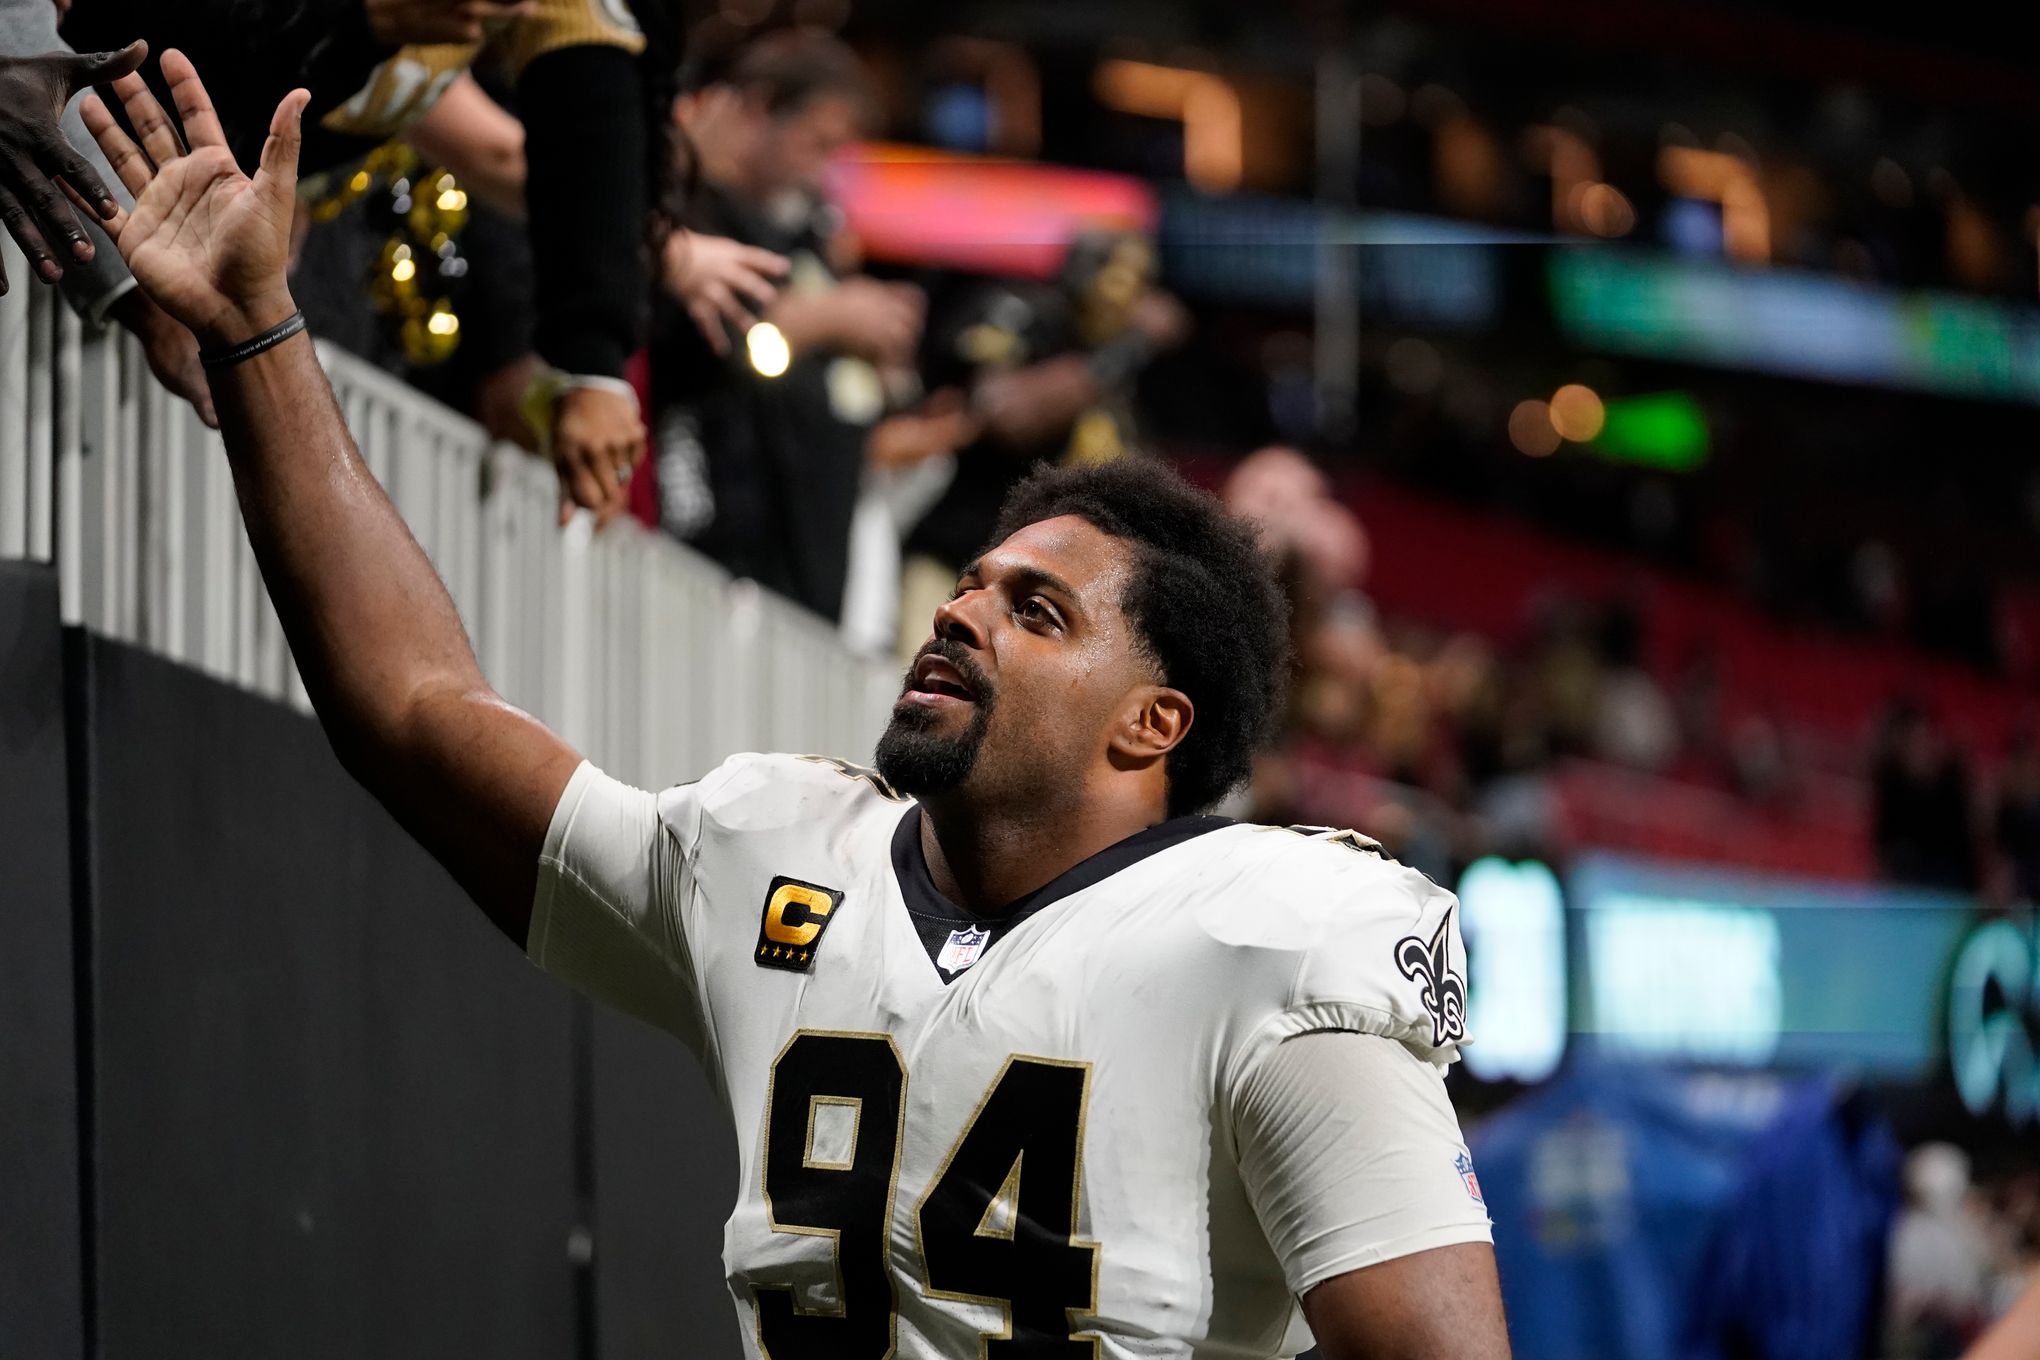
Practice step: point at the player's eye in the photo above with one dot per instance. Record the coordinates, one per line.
(1034, 609)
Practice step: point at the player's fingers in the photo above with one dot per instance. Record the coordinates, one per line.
(86, 69)
(121, 153)
(21, 225)
(194, 105)
(276, 176)
(151, 125)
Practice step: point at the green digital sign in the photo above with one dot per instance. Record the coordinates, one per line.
(1796, 323)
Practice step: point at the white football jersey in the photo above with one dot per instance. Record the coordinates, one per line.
(1016, 1136)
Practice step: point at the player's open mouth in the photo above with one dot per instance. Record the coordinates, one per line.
(935, 681)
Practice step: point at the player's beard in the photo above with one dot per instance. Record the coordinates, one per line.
(915, 758)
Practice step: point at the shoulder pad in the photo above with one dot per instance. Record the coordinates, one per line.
(753, 791)
(1376, 943)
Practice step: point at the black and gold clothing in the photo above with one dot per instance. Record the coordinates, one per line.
(575, 70)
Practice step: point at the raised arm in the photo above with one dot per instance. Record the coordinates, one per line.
(375, 635)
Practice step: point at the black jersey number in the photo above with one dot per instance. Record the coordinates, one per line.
(998, 1225)
(848, 1198)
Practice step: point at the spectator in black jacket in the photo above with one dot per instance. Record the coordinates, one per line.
(762, 454)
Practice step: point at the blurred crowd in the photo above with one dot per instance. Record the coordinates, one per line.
(607, 233)
(1454, 744)
(840, 434)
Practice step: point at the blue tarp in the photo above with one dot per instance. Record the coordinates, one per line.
(1647, 1214)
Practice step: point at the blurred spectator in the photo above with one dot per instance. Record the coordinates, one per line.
(43, 142)
(1923, 828)
(1636, 725)
(1940, 1259)
(763, 446)
(1050, 371)
(1286, 496)
(375, 67)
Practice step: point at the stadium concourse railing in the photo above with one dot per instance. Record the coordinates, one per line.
(648, 658)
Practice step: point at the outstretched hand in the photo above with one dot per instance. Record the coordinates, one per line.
(35, 159)
(209, 245)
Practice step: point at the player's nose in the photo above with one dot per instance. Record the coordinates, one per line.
(961, 619)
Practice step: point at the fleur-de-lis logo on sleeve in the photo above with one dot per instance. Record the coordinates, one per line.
(1443, 995)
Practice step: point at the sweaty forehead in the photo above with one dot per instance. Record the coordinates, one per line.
(1070, 549)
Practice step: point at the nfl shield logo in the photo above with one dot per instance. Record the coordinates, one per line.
(1465, 1165)
(962, 950)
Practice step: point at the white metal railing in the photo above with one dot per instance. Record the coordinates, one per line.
(643, 654)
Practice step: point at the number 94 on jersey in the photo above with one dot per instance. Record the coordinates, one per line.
(996, 1225)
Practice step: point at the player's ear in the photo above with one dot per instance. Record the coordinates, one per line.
(1159, 720)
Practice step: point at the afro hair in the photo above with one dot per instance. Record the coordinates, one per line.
(1203, 599)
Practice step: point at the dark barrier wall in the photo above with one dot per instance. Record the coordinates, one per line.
(665, 1178)
(325, 1110)
(332, 1109)
(40, 1307)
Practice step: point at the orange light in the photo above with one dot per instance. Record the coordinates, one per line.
(1566, 157)
(1214, 152)
(1530, 429)
(1577, 413)
(1605, 210)
(1729, 181)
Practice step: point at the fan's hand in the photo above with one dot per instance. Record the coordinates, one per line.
(35, 158)
(208, 244)
(598, 437)
(720, 282)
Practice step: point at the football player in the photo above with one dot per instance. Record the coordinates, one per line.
(1026, 1057)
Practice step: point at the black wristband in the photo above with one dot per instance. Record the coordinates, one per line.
(248, 349)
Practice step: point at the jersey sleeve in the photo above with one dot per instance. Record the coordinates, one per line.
(612, 883)
(1387, 959)
(1351, 1155)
